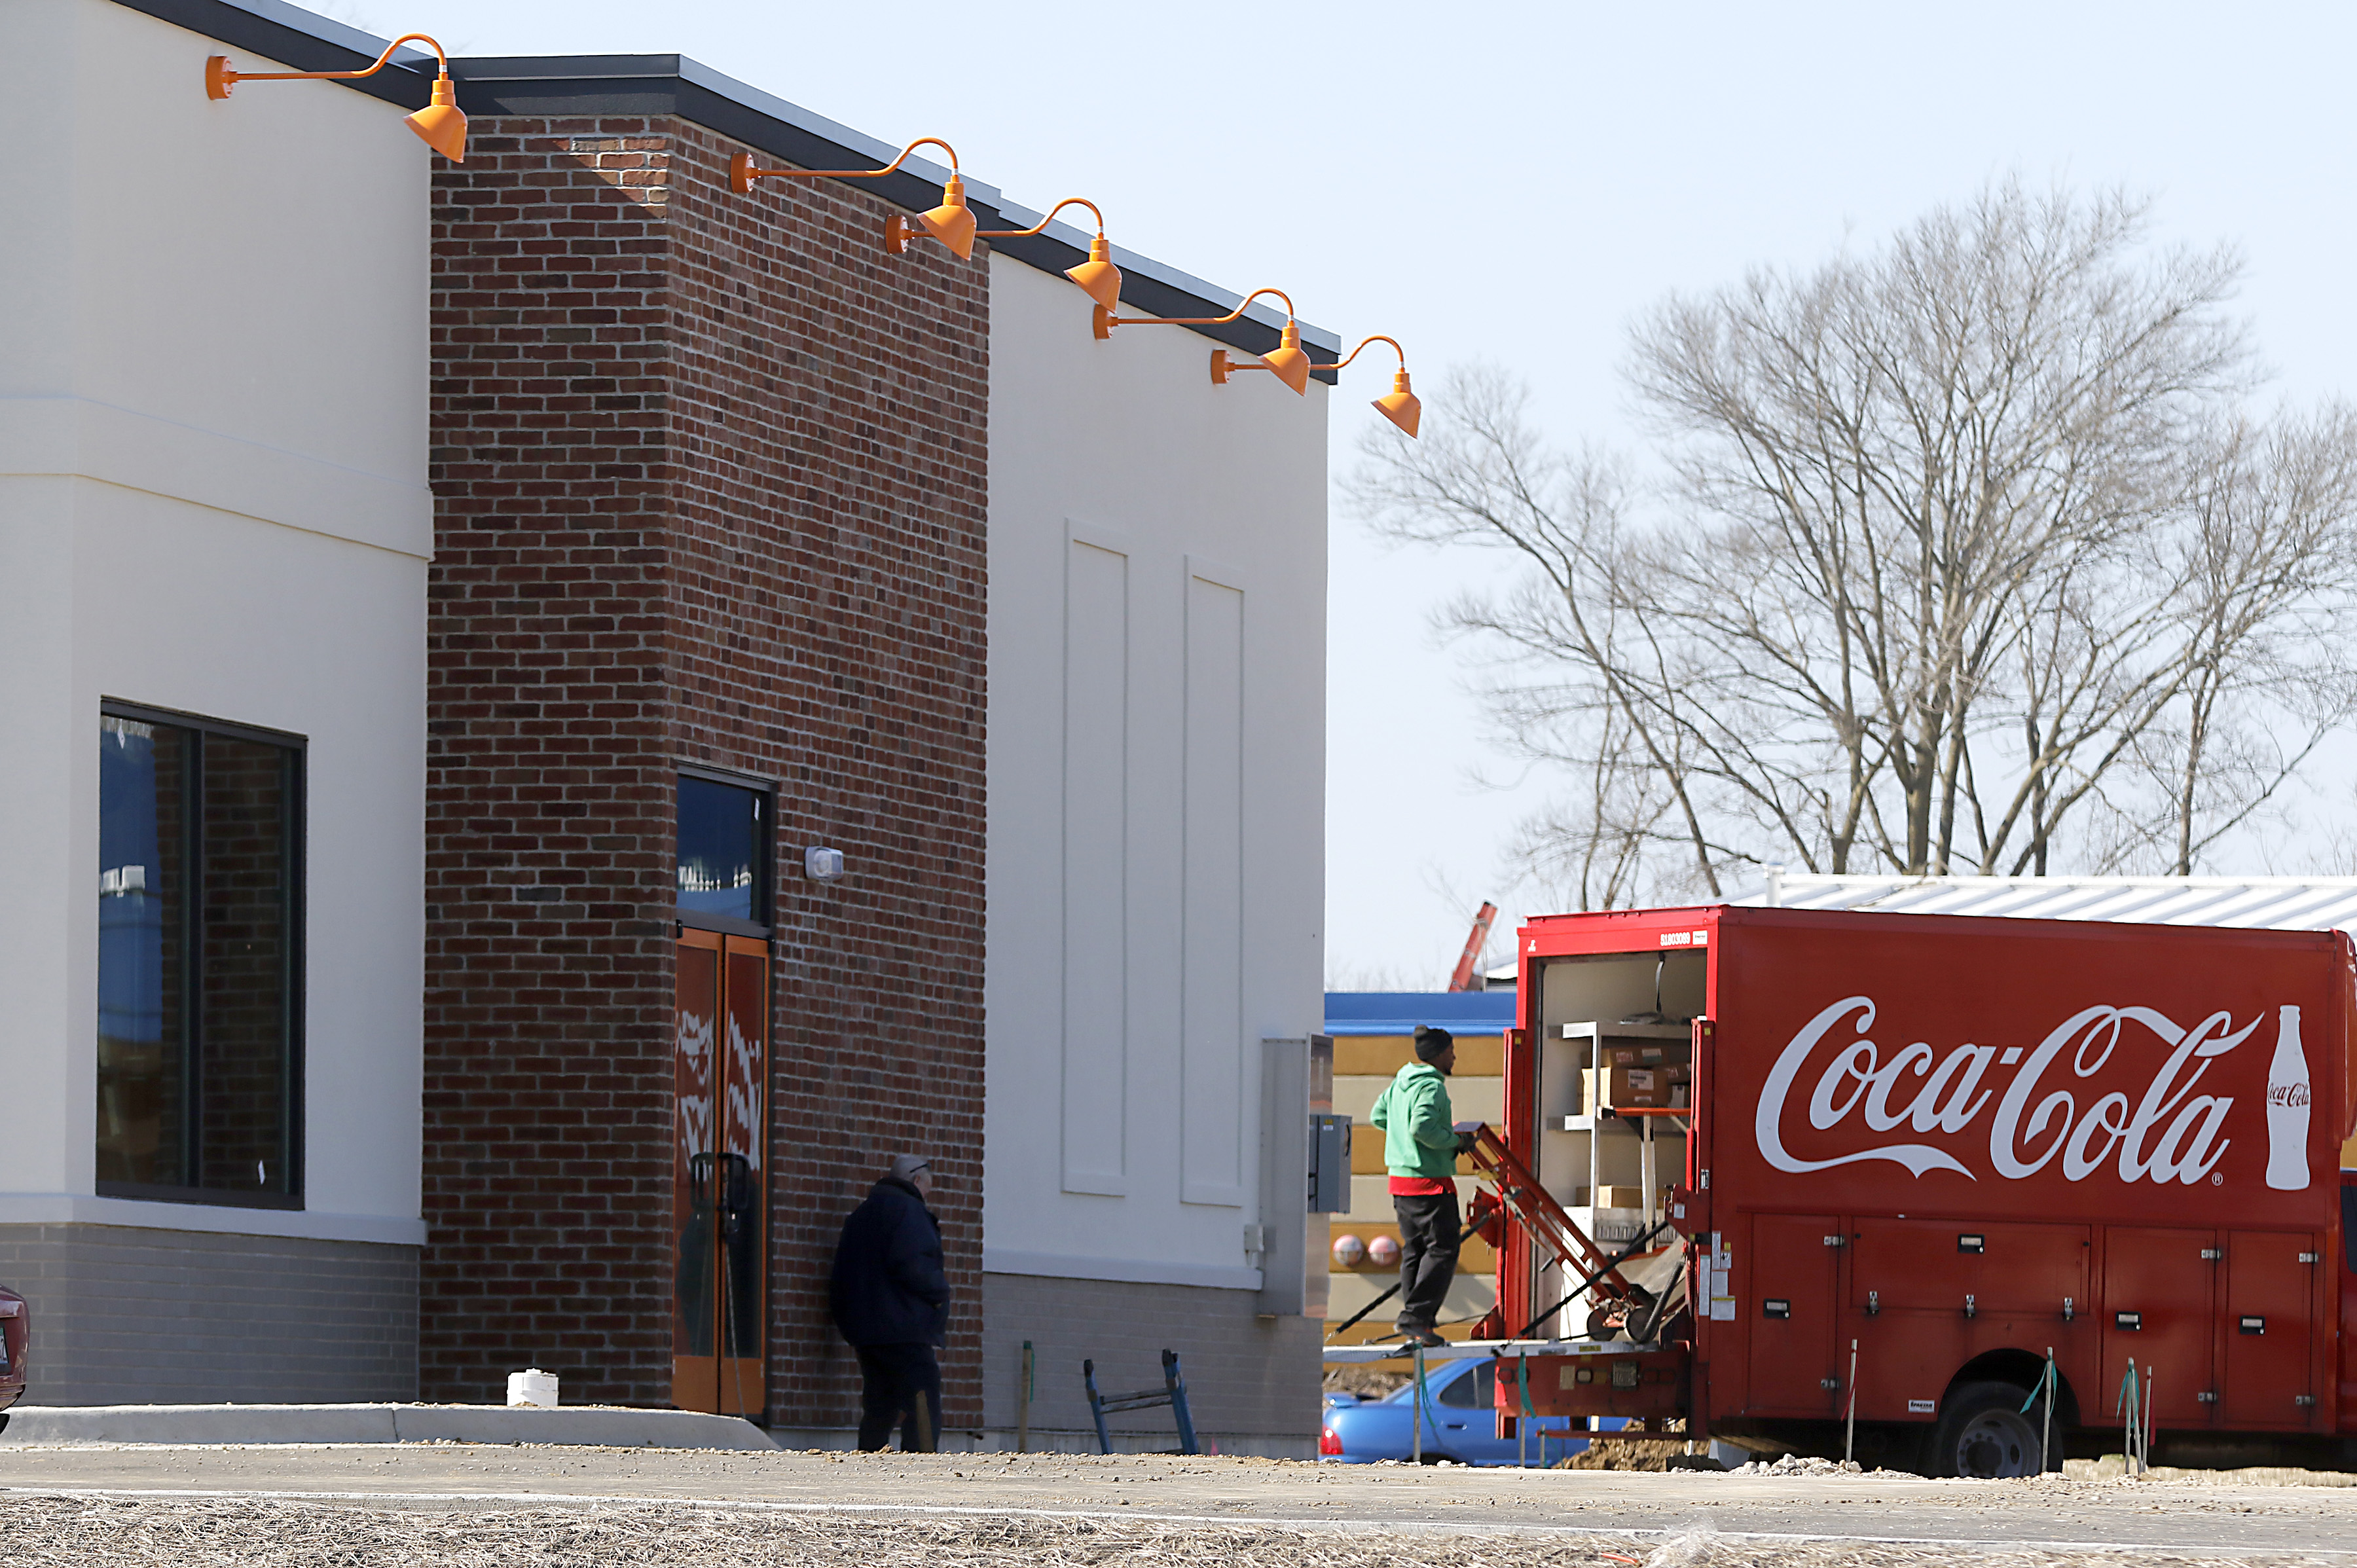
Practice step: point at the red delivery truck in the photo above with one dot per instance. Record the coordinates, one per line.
(1877, 1173)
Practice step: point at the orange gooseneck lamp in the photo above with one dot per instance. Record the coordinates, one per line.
(1400, 405)
(953, 222)
(1286, 361)
(1097, 276)
(440, 124)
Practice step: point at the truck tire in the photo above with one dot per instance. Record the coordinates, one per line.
(1983, 1434)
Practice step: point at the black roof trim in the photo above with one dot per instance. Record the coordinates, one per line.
(250, 30)
(590, 86)
(596, 86)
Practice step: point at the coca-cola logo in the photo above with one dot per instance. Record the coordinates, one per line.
(2291, 1094)
(2158, 1130)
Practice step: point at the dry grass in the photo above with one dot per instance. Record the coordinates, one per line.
(38, 1532)
(1364, 1378)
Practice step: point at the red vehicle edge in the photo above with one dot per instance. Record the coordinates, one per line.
(15, 1342)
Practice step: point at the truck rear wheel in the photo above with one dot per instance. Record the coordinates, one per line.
(1983, 1435)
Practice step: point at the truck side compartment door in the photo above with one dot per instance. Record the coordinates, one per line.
(2159, 1287)
(1925, 1296)
(1789, 1306)
(2270, 1296)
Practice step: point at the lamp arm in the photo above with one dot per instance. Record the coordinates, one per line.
(1041, 225)
(1233, 365)
(752, 173)
(1204, 321)
(343, 75)
(1378, 337)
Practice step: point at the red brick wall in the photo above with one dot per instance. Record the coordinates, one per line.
(711, 488)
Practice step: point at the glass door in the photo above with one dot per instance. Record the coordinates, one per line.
(720, 1075)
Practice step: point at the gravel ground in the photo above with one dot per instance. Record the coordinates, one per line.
(420, 1506)
(202, 1532)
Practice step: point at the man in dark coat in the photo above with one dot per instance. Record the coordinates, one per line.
(891, 1301)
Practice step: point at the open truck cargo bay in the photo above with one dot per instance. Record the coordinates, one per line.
(1949, 1146)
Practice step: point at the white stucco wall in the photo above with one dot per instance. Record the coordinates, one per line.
(1156, 770)
(214, 369)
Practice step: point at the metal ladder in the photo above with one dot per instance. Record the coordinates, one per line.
(1173, 1392)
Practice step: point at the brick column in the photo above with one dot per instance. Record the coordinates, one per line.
(711, 484)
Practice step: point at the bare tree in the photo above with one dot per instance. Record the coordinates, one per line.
(1573, 631)
(2270, 563)
(1955, 545)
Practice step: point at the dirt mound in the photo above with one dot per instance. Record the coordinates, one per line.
(1608, 1453)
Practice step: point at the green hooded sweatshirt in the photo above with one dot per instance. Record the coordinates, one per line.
(1414, 1113)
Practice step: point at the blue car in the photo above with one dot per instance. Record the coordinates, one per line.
(1460, 1423)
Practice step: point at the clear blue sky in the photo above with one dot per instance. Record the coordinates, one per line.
(1514, 182)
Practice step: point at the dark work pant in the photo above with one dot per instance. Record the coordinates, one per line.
(1429, 1229)
(899, 1381)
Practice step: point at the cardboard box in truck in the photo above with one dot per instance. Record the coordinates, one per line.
(1963, 1143)
(1652, 1087)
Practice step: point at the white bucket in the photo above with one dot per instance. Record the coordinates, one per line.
(534, 1390)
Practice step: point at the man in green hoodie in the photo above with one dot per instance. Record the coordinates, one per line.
(1420, 1149)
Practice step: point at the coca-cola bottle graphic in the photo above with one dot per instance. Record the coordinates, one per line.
(2288, 1109)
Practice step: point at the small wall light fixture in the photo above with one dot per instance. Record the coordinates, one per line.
(1400, 405)
(1286, 361)
(440, 123)
(821, 864)
(953, 222)
(1097, 276)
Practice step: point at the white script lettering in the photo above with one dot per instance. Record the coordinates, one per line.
(2169, 1133)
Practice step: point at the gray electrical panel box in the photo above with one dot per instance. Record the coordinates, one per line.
(1305, 1171)
(1329, 1163)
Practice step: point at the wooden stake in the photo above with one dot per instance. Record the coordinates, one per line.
(1023, 1404)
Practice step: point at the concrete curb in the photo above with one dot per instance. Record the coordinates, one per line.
(580, 1426)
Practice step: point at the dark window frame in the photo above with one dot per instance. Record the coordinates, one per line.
(765, 888)
(297, 845)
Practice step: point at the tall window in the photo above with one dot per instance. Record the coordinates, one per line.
(724, 858)
(199, 926)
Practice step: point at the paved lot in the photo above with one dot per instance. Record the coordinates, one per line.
(930, 1509)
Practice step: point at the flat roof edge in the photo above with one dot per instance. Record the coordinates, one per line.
(674, 84)
(1075, 239)
(303, 40)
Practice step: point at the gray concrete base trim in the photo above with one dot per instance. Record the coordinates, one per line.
(131, 1314)
(179, 1425)
(1253, 1382)
(1044, 1440)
